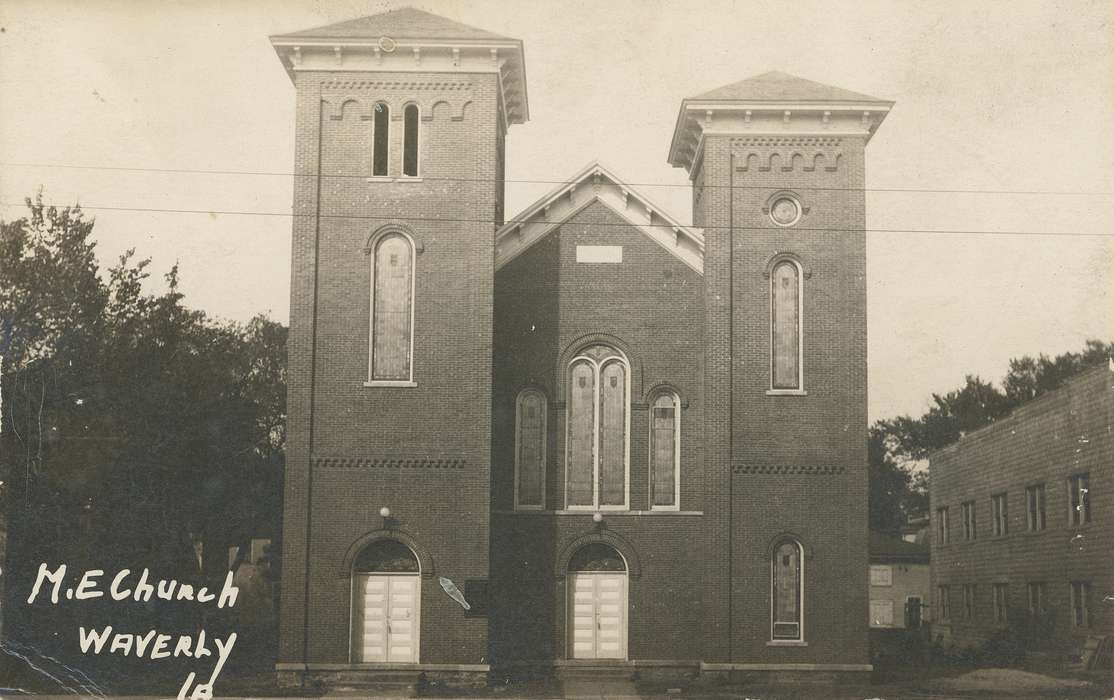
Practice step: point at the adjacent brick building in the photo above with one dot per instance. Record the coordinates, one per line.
(1023, 519)
(590, 434)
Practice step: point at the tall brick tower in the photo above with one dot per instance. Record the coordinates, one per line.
(776, 164)
(401, 119)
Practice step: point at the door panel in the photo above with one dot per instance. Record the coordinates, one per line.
(385, 618)
(598, 616)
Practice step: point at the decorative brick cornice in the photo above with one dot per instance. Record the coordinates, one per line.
(786, 140)
(389, 463)
(790, 470)
(356, 84)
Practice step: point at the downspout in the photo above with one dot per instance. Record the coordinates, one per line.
(731, 406)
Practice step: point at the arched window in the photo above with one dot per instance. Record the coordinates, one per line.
(787, 591)
(529, 459)
(665, 451)
(410, 140)
(598, 451)
(381, 139)
(785, 322)
(392, 309)
(386, 556)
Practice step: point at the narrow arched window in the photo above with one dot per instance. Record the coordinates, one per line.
(785, 321)
(787, 594)
(598, 424)
(392, 307)
(410, 140)
(530, 435)
(381, 139)
(665, 451)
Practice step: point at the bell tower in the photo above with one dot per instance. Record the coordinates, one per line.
(399, 161)
(777, 169)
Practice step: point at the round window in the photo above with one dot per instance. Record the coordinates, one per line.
(785, 211)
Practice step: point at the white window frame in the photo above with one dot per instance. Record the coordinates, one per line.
(875, 622)
(884, 577)
(676, 449)
(970, 523)
(999, 512)
(518, 443)
(800, 638)
(417, 149)
(1075, 485)
(1080, 591)
(800, 389)
(596, 367)
(943, 527)
(1036, 495)
(373, 248)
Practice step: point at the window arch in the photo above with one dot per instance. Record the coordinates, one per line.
(665, 450)
(786, 352)
(392, 309)
(386, 556)
(410, 152)
(530, 454)
(787, 567)
(380, 139)
(597, 454)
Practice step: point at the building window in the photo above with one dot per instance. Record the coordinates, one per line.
(1001, 602)
(968, 601)
(598, 451)
(392, 308)
(410, 140)
(1080, 604)
(529, 461)
(881, 613)
(380, 139)
(967, 510)
(999, 514)
(1036, 598)
(1034, 497)
(943, 596)
(665, 451)
(788, 591)
(785, 319)
(943, 527)
(1079, 499)
(881, 575)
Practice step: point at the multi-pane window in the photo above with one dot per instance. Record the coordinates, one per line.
(881, 575)
(665, 451)
(968, 601)
(1001, 601)
(1080, 604)
(1034, 499)
(1079, 499)
(943, 527)
(1036, 596)
(785, 320)
(881, 613)
(943, 601)
(410, 140)
(967, 510)
(598, 450)
(530, 436)
(392, 273)
(788, 589)
(999, 514)
(380, 139)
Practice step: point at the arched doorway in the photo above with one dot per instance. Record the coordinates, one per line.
(386, 604)
(597, 604)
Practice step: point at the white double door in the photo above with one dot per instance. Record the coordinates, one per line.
(597, 615)
(385, 618)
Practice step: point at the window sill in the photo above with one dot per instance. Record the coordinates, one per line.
(408, 178)
(390, 383)
(604, 513)
(786, 392)
(786, 643)
(381, 178)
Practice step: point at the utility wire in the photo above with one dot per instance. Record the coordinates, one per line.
(65, 166)
(210, 212)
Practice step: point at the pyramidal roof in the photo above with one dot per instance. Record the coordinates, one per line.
(404, 23)
(776, 86)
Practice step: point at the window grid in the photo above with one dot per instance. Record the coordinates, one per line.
(530, 450)
(599, 388)
(391, 327)
(943, 595)
(999, 507)
(665, 451)
(943, 527)
(786, 326)
(968, 601)
(970, 531)
(1079, 499)
(1036, 597)
(1080, 604)
(1034, 497)
(1001, 601)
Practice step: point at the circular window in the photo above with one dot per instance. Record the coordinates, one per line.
(785, 211)
(387, 44)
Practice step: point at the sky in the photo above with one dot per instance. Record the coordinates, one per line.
(1013, 103)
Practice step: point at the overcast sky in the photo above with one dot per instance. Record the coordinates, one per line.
(1014, 97)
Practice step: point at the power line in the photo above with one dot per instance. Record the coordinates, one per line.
(451, 220)
(273, 173)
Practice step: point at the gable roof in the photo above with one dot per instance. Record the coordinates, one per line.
(885, 548)
(595, 183)
(403, 23)
(777, 86)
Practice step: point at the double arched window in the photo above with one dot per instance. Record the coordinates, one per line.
(786, 353)
(665, 450)
(787, 591)
(392, 309)
(597, 449)
(529, 446)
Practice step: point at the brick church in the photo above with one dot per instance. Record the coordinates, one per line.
(584, 434)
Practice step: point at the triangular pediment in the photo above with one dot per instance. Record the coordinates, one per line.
(595, 183)
(404, 23)
(776, 86)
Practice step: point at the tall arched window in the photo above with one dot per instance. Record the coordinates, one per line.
(392, 309)
(529, 459)
(787, 591)
(380, 139)
(598, 451)
(785, 322)
(410, 140)
(665, 451)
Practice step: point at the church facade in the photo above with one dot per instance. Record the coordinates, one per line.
(586, 434)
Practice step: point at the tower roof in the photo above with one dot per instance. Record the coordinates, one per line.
(403, 23)
(776, 86)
